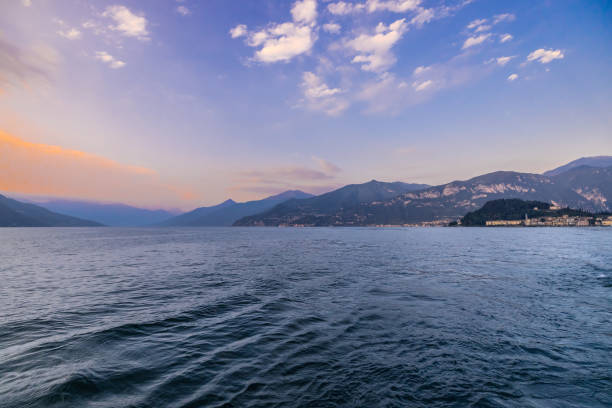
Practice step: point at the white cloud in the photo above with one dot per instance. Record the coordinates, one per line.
(423, 16)
(109, 59)
(238, 31)
(505, 38)
(182, 10)
(343, 8)
(421, 70)
(397, 6)
(320, 97)
(371, 6)
(421, 86)
(26, 3)
(332, 28)
(314, 87)
(501, 61)
(472, 41)
(481, 28)
(374, 51)
(500, 18)
(388, 94)
(126, 22)
(284, 41)
(305, 11)
(512, 77)
(72, 34)
(545, 56)
(476, 23)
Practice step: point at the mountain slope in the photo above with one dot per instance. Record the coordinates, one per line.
(585, 188)
(595, 161)
(230, 211)
(190, 218)
(14, 213)
(335, 201)
(118, 215)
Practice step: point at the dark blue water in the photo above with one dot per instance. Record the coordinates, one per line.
(346, 317)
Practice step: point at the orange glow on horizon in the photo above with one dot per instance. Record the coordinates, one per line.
(41, 169)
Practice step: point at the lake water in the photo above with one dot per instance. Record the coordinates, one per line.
(328, 317)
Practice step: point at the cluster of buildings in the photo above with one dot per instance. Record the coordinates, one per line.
(561, 221)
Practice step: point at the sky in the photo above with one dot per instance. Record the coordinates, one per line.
(179, 104)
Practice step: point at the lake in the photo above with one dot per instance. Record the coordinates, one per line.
(312, 317)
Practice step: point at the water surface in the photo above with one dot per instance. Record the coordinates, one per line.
(326, 317)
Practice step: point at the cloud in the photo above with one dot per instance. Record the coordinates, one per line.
(396, 6)
(182, 10)
(126, 22)
(423, 16)
(482, 28)
(26, 3)
(505, 38)
(34, 168)
(545, 56)
(109, 59)
(420, 70)
(371, 6)
(25, 67)
(421, 86)
(390, 94)
(374, 51)
(275, 180)
(318, 96)
(476, 23)
(282, 42)
(72, 34)
(332, 28)
(305, 11)
(343, 8)
(500, 18)
(327, 167)
(239, 31)
(512, 77)
(501, 61)
(472, 41)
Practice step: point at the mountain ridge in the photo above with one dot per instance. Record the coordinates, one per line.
(115, 215)
(592, 161)
(15, 213)
(228, 212)
(582, 187)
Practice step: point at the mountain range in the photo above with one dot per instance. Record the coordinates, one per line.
(112, 215)
(228, 212)
(585, 183)
(14, 213)
(583, 187)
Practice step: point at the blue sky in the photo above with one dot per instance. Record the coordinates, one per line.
(246, 98)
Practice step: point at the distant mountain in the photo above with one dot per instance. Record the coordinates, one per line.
(191, 218)
(596, 161)
(118, 215)
(228, 212)
(334, 202)
(14, 213)
(583, 187)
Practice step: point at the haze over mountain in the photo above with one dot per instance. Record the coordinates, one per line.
(228, 212)
(595, 161)
(584, 187)
(14, 213)
(116, 215)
